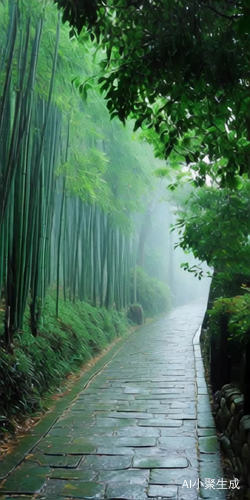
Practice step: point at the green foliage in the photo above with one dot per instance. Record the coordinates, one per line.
(215, 225)
(200, 108)
(237, 312)
(153, 295)
(39, 364)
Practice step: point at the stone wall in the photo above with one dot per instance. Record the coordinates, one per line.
(234, 427)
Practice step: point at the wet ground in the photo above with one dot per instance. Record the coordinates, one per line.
(141, 429)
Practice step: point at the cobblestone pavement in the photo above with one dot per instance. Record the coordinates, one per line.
(136, 432)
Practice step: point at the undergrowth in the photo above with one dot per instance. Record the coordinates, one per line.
(39, 364)
(152, 294)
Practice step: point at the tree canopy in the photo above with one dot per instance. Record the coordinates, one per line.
(181, 68)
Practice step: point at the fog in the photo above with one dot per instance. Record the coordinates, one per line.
(163, 261)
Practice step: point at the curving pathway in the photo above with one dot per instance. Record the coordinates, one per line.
(141, 429)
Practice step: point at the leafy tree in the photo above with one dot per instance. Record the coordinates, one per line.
(181, 68)
(215, 225)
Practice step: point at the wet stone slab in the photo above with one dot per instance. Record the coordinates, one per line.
(173, 476)
(160, 462)
(137, 431)
(73, 475)
(28, 479)
(126, 491)
(205, 420)
(78, 447)
(116, 450)
(130, 476)
(208, 444)
(160, 422)
(141, 442)
(159, 490)
(73, 489)
(66, 462)
(110, 462)
(177, 443)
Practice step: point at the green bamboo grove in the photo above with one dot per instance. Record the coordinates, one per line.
(93, 254)
(70, 180)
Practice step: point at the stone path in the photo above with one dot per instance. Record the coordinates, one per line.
(134, 433)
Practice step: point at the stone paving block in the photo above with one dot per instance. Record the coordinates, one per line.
(172, 476)
(208, 444)
(212, 457)
(205, 420)
(130, 476)
(177, 443)
(188, 493)
(73, 489)
(189, 407)
(189, 425)
(153, 451)
(175, 432)
(151, 462)
(60, 448)
(116, 450)
(160, 490)
(184, 396)
(126, 491)
(102, 462)
(128, 415)
(68, 461)
(94, 441)
(73, 475)
(138, 431)
(133, 405)
(114, 422)
(160, 422)
(202, 391)
(168, 385)
(59, 432)
(135, 441)
(75, 418)
(210, 470)
(174, 391)
(135, 390)
(96, 430)
(206, 432)
(204, 408)
(174, 415)
(153, 397)
(28, 479)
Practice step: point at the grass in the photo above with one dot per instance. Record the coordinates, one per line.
(39, 364)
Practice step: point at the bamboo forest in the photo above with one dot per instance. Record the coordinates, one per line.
(124, 249)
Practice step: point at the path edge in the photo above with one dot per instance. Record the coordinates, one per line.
(204, 457)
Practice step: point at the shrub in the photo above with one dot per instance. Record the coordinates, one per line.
(237, 312)
(153, 295)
